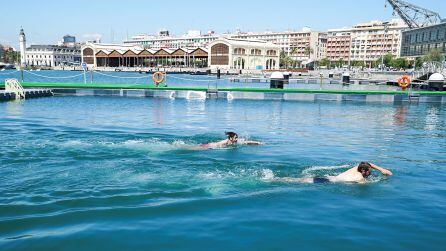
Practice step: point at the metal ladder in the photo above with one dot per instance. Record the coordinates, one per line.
(14, 86)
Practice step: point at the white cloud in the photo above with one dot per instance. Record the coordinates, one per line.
(92, 36)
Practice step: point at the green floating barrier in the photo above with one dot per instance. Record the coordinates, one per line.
(263, 90)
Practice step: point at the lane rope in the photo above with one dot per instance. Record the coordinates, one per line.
(50, 77)
(112, 76)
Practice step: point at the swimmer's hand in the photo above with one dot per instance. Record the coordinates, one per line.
(251, 143)
(386, 172)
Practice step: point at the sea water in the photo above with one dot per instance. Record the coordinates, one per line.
(117, 173)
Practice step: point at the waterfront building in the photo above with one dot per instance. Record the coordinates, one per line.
(421, 41)
(231, 53)
(52, 55)
(128, 55)
(366, 42)
(47, 55)
(193, 39)
(338, 46)
(305, 45)
(69, 41)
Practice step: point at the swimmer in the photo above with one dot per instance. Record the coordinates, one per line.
(357, 174)
(232, 140)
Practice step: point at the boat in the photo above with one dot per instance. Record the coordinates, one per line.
(199, 73)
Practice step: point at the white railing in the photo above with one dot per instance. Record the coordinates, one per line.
(14, 86)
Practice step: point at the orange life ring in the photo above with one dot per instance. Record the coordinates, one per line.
(158, 77)
(404, 82)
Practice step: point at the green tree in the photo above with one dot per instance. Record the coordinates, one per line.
(12, 57)
(419, 62)
(358, 63)
(285, 60)
(388, 58)
(308, 51)
(341, 62)
(434, 56)
(400, 63)
(324, 62)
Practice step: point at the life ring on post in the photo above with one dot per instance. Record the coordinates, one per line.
(158, 78)
(404, 82)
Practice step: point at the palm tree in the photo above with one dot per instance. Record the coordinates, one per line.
(308, 51)
(293, 52)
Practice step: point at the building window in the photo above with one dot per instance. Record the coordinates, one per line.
(220, 54)
(239, 51)
(256, 52)
(271, 53)
(88, 52)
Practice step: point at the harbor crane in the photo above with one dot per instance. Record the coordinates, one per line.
(414, 16)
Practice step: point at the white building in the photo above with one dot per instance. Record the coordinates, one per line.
(366, 42)
(231, 53)
(304, 45)
(52, 55)
(47, 55)
(193, 39)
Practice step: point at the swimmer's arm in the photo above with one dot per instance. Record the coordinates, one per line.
(249, 142)
(382, 170)
(219, 144)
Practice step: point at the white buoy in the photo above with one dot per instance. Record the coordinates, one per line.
(436, 77)
(172, 95)
(229, 96)
(277, 75)
(196, 95)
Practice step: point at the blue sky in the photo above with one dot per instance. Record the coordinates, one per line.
(46, 21)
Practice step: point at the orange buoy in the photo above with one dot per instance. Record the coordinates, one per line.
(404, 82)
(158, 78)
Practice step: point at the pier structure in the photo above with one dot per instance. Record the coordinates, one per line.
(114, 55)
(203, 93)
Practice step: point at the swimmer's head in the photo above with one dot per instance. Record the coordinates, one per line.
(232, 136)
(365, 169)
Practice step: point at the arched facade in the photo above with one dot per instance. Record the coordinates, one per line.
(241, 54)
(271, 64)
(239, 63)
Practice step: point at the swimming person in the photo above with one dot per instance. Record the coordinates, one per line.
(232, 140)
(357, 174)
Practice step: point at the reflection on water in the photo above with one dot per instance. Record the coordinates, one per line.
(432, 119)
(15, 107)
(400, 115)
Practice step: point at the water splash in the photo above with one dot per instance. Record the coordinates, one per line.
(325, 170)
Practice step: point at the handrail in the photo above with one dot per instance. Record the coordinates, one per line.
(14, 86)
